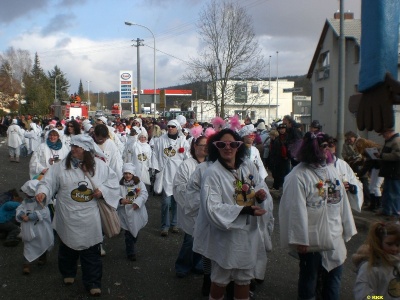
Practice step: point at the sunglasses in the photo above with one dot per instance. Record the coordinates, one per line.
(70, 125)
(171, 126)
(323, 146)
(232, 145)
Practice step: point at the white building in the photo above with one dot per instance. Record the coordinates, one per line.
(254, 98)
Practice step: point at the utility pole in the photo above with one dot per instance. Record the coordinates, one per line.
(138, 44)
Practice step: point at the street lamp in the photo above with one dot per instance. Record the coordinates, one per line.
(154, 74)
(277, 90)
(88, 95)
(269, 91)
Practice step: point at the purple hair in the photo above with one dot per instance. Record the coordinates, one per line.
(310, 151)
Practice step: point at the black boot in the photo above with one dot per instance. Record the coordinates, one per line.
(372, 203)
(378, 203)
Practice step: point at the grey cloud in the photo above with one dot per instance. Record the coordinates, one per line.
(14, 9)
(63, 42)
(69, 3)
(58, 23)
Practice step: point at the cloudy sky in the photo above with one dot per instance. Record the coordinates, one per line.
(88, 39)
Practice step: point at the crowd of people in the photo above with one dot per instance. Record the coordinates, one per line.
(212, 181)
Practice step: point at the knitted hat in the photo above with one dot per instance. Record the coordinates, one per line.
(181, 119)
(29, 187)
(261, 126)
(174, 123)
(129, 168)
(103, 119)
(87, 126)
(247, 130)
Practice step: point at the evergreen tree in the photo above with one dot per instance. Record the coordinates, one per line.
(80, 89)
(59, 84)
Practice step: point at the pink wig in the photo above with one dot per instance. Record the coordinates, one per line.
(235, 123)
(218, 123)
(196, 131)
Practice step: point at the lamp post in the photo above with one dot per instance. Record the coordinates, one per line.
(269, 91)
(154, 72)
(277, 90)
(55, 88)
(88, 95)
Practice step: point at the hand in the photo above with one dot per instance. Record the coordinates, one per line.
(97, 194)
(261, 195)
(51, 161)
(346, 185)
(44, 171)
(302, 249)
(25, 218)
(258, 211)
(40, 197)
(375, 106)
(135, 206)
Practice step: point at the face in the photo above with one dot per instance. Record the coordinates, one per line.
(99, 139)
(128, 176)
(391, 244)
(121, 128)
(70, 128)
(53, 137)
(227, 154)
(143, 139)
(249, 139)
(350, 140)
(136, 123)
(313, 129)
(77, 152)
(281, 130)
(324, 147)
(201, 149)
(172, 129)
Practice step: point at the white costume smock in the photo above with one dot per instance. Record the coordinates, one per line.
(40, 158)
(168, 154)
(77, 216)
(34, 137)
(15, 136)
(301, 206)
(255, 157)
(133, 220)
(181, 180)
(379, 280)
(221, 233)
(347, 174)
(140, 155)
(112, 156)
(40, 232)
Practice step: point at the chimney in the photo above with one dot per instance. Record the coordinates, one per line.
(348, 15)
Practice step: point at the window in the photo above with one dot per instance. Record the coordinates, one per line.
(321, 95)
(322, 71)
(241, 113)
(265, 90)
(241, 93)
(254, 89)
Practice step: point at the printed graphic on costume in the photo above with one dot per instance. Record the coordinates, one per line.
(169, 151)
(82, 193)
(132, 194)
(334, 194)
(394, 287)
(142, 157)
(245, 194)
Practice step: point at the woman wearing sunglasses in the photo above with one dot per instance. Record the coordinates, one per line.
(235, 209)
(315, 218)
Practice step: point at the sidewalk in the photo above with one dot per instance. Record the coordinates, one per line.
(362, 219)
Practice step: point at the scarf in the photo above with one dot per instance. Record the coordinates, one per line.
(75, 162)
(54, 146)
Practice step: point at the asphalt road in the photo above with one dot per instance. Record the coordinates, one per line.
(152, 276)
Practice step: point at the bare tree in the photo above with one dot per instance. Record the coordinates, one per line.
(230, 50)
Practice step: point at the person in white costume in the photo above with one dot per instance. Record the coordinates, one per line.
(53, 150)
(188, 260)
(232, 202)
(353, 186)
(79, 180)
(111, 133)
(247, 132)
(37, 233)
(113, 157)
(33, 136)
(168, 153)
(378, 263)
(71, 128)
(315, 217)
(15, 138)
(132, 210)
(140, 155)
(132, 139)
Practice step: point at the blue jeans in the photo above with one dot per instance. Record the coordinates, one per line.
(167, 203)
(309, 264)
(92, 266)
(130, 242)
(187, 259)
(390, 202)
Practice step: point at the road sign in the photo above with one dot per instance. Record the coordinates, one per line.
(293, 90)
